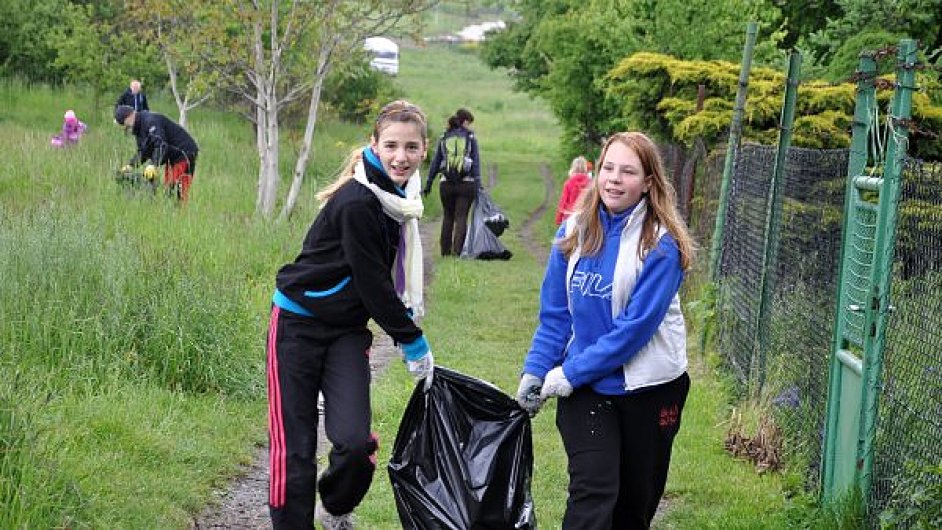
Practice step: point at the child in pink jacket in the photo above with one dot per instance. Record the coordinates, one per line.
(72, 131)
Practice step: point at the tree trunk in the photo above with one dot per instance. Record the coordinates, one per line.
(264, 203)
(300, 167)
(181, 105)
(183, 110)
(271, 177)
(260, 144)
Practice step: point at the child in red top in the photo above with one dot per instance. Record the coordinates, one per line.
(577, 181)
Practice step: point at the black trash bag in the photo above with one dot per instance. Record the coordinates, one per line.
(491, 214)
(463, 458)
(486, 223)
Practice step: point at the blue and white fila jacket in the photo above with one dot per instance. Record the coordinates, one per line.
(612, 320)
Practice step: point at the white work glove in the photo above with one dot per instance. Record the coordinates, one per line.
(423, 368)
(150, 172)
(528, 394)
(419, 361)
(555, 384)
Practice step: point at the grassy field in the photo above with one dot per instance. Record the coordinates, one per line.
(131, 330)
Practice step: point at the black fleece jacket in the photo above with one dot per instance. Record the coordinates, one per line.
(351, 238)
(162, 140)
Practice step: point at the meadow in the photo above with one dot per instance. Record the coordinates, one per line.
(132, 329)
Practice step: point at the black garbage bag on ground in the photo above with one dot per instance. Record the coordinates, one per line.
(486, 224)
(463, 458)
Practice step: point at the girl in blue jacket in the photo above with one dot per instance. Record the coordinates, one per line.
(611, 342)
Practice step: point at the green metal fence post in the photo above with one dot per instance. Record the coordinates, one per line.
(773, 219)
(732, 147)
(831, 474)
(882, 276)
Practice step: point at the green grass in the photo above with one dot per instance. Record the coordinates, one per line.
(132, 330)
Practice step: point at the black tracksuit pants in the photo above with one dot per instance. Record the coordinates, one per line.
(457, 198)
(306, 357)
(619, 450)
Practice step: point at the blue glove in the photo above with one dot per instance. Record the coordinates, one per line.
(419, 360)
(556, 384)
(528, 394)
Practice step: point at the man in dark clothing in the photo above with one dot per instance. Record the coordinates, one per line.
(134, 97)
(163, 142)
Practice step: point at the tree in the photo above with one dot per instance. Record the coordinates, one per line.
(804, 17)
(562, 50)
(26, 48)
(277, 51)
(917, 19)
(96, 48)
(257, 55)
(179, 30)
(660, 95)
(344, 25)
(556, 52)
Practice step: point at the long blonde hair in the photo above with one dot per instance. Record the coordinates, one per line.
(396, 111)
(662, 206)
(578, 165)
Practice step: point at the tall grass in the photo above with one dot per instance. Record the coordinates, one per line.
(131, 329)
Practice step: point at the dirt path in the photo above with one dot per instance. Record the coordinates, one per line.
(534, 245)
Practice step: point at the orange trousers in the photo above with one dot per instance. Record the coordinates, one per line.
(177, 179)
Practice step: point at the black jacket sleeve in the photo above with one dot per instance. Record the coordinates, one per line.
(152, 140)
(435, 165)
(125, 99)
(364, 246)
(475, 157)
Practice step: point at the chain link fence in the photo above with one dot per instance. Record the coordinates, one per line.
(788, 376)
(907, 470)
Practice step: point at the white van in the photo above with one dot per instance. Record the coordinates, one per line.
(384, 54)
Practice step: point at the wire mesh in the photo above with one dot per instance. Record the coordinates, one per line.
(802, 304)
(907, 452)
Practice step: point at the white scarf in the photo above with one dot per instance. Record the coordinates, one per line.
(407, 211)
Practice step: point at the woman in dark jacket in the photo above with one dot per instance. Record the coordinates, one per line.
(458, 162)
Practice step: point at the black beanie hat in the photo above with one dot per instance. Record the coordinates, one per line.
(121, 113)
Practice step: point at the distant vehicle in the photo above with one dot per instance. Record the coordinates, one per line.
(384, 54)
(476, 32)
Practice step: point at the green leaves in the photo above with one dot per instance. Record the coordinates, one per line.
(563, 51)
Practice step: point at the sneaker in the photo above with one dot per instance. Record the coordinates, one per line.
(330, 521)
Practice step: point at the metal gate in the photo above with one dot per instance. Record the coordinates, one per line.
(863, 307)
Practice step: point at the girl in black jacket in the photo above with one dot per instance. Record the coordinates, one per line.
(361, 259)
